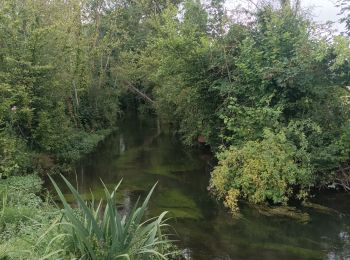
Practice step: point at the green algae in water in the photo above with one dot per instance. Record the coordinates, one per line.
(178, 205)
(255, 232)
(139, 183)
(160, 170)
(284, 212)
(96, 195)
(128, 185)
(172, 171)
(319, 208)
(291, 250)
(130, 156)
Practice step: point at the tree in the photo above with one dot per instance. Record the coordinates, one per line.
(345, 11)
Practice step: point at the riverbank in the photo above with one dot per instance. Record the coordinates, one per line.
(25, 216)
(27, 211)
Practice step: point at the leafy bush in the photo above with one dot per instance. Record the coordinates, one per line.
(243, 123)
(14, 158)
(262, 171)
(68, 144)
(345, 141)
(100, 232)
(19, 199)
(78, 144)
(24, 217)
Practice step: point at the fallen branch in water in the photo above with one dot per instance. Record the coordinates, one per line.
(343, 178)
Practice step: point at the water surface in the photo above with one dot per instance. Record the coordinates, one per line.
(141, 156)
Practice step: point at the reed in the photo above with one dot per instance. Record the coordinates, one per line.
(99, 231)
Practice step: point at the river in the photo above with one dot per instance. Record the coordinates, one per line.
(141, 156)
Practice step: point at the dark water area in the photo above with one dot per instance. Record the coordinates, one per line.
(141, 156)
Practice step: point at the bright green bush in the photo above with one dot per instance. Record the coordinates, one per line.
(270, 170)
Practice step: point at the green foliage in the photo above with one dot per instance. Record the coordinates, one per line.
(268, 170)
(14, 157)
(101, 232)
(175, 63)
(344, 142)
(79, 144)
(345, 11)
(24, 217)
(279, 86)
(19, 200)
(57, 83)
(340, 66)
(276, 72)
(247, 123)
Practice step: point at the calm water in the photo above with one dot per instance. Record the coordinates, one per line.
(140, 156)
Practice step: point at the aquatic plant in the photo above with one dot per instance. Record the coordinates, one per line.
(101, 232)
(178, 204)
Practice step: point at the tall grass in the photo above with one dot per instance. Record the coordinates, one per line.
(99, 231)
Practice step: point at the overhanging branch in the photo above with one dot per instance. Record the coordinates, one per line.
(141, 94)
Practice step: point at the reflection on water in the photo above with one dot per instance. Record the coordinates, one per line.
(140, 155)
(121, 144)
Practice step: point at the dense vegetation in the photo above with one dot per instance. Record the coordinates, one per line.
(268, 93)
(266, 89)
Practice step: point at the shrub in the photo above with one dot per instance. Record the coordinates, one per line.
(14, 157)
(24, 217)
(262, 171)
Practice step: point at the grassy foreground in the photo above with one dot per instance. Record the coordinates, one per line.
(31, 227)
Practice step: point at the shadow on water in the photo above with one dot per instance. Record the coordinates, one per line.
(141, 156)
